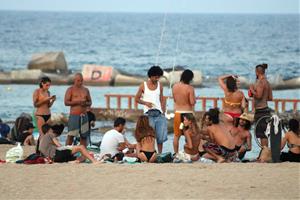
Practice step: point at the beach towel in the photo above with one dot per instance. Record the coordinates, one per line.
(164, 158)
(78, 125)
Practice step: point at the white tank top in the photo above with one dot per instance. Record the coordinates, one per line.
(152, 96)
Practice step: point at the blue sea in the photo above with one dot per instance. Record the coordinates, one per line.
(213, 43)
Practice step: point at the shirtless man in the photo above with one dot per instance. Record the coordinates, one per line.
(222, 148)
(241, 134)
(79, 99)
(261, 92)
(184, 101)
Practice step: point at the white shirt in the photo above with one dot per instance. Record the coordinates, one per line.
(110, 142)
(152, 96)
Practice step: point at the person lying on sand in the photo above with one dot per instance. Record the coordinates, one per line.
(51, 147)
(145, 137)
(222, 148)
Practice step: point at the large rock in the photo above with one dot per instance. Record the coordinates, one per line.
(174, 77)
(26, 76)
(53, 62)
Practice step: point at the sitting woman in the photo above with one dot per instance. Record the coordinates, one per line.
(145, 137)
(192, 140)
(234, 100)
(192, 136)
(292, 139)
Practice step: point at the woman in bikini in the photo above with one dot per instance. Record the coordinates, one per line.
(42, 101)
(292, 139)
(234, 100)
(145, 137)
(192, 136)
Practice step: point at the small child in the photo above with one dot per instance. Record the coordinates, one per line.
(51, 147)
(145, 137)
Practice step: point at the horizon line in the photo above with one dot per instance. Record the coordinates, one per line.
(152, 12)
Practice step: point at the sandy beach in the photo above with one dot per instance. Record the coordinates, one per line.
(148, 181)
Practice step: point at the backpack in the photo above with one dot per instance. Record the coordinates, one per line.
(20, 125)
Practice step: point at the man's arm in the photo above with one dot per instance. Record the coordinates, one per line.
(163, 101)
(249, 142)
(192, 97)
(210, 133)
(138, 97)
(270, 96)
(68, 99)
(88, 103)
(128, 144)
(121, 146)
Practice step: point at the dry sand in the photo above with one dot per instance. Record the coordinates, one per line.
(148, 181)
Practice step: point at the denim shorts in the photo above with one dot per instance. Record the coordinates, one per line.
(159, 124)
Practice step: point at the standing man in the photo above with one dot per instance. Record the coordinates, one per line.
(150, 94)
(79, 99)
(261, 92)
(184, 102)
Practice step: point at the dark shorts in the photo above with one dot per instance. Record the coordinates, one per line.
(63, 156)
(227, 154)
(290, 156)
(261, 125)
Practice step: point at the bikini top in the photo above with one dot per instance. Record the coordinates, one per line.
(292, 145)
(232, 103)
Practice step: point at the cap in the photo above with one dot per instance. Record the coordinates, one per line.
(247, 116)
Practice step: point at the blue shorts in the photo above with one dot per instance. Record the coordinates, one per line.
(159, 124)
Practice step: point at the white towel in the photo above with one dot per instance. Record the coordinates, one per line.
(275, 119)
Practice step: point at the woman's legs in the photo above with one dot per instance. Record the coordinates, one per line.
(83, 152)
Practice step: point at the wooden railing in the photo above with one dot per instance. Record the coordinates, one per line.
(214, 101)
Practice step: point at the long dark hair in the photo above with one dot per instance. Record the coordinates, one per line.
(143, 129)
(231, 84)
(294, 126)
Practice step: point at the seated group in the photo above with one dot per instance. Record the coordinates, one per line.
(212, 141)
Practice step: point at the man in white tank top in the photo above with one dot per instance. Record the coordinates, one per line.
(150, 94)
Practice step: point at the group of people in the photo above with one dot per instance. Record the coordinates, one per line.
(221, 137)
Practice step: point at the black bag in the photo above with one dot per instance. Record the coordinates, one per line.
(165, 158)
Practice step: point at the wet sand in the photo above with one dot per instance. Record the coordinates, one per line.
(148, 181)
